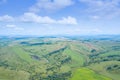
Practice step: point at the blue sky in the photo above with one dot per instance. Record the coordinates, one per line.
(59, 17)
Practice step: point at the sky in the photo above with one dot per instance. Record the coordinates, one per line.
(59, 17)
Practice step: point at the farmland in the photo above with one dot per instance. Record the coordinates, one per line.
(60, 58)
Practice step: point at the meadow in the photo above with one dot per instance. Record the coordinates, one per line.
(60, 58)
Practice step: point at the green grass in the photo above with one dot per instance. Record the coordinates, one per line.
(101, 69)
(110, 53)
(77, 59)
(19, 65)
(6, 74)
(44, 49)
(22, 54)
(87, 74)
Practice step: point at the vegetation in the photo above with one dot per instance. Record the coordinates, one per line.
(87, 74)
(53, 58)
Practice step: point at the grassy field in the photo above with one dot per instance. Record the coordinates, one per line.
(101, 69)
(22, 54)
(59, 59)
(87, 74)
(6, 74)
(77, 59)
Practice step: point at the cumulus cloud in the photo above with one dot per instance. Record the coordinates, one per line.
(32, 17)
(6, 18)
(102, 7)
(68, 20)
(50, 5)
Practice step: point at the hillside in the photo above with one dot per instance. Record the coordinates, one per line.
(60, 58)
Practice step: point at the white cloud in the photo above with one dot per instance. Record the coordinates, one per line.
(10, 25)
(50, 5)
(19, 28)
(68, 20)
(6, 18)
(14, 27)
(95, 17)
(104, 8)
(32, 17)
